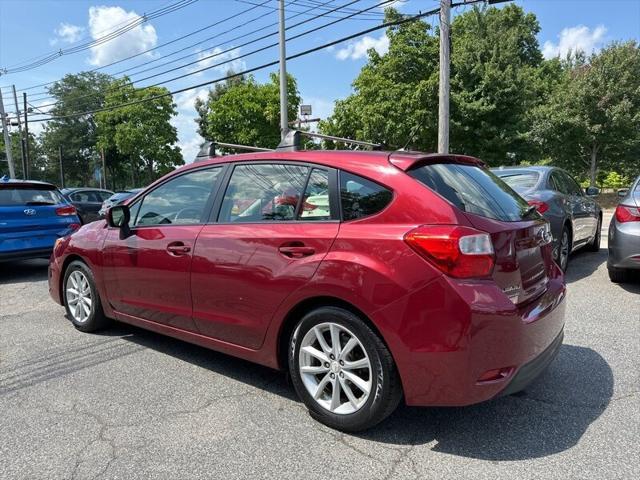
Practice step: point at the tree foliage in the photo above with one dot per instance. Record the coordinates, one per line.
(138, 139)
(246, 112)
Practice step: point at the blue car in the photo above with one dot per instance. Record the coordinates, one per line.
(33, 215)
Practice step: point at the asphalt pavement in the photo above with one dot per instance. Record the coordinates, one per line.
(128, 403)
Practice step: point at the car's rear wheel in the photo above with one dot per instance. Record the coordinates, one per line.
(342, 370)
(81, 298)
(618, 275)
(594, 245)
(564, 249)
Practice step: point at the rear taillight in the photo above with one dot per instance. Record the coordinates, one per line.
(541, 206)
(627, 213)
(66, 210)
(458, 251)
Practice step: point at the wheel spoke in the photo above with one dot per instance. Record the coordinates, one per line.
(347, 390)
(314, 352)
(74, 281)
(321, 340)
(335, 395)
(362, 363)
(335, 339)
(348, 347)
(87, 301)
(321, 386)
(357, 381)
(73, 291)
(73, 300)
(316, 369)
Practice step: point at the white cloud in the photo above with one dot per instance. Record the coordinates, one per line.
(103, 20)
(188, 139)
(67, 33)
(573, 39)
(357, 50)
(186, 100)
(217, 57)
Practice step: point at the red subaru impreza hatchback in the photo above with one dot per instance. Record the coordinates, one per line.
(370, 276)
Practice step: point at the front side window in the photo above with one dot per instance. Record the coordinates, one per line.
(361, 197)
(263, 193)
(180, 201)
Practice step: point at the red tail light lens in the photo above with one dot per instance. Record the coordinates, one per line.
(460, 252)
(627, 213)
(66, 210)
(541, 206)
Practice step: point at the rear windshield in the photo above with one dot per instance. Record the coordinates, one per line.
(29, 196)
(520, 181)
(474, 190)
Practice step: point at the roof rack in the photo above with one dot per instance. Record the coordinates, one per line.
(290, 143)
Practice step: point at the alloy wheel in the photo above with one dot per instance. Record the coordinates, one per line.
(335, 368)
(78, 293)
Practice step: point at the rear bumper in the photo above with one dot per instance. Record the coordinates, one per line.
(25, 254)
(449, 334)
(624, 245)
(54, 280)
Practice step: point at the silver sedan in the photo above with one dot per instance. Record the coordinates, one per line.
(624, 236)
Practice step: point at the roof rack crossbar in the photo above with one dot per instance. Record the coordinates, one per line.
(341, 139)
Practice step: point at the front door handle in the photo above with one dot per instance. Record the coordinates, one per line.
(296, 251)
(178, 248)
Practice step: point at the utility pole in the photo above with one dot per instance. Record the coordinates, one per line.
(443, 107)
(284, 119)
(61, 167)
(7, 139)
(103, 177)
(26, 135)
(22, 140)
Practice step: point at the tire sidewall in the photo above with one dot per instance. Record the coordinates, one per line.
(380, 390)
(90, 323)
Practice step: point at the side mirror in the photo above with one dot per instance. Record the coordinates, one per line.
(118, 216)
(592, 191)
(623, 192)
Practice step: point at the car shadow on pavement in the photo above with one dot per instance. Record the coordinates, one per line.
(23, 271)
(548, 417)
(582, 264)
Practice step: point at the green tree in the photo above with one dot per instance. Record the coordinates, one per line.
(16, 153)
(246, 112)
(74, 94)
(395, 99)
(592, 120)
(139, 138)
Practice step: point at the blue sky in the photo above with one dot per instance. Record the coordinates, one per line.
(32, 28)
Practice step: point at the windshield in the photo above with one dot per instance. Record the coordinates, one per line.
(29, 196)
(519, 181)
(474, 190)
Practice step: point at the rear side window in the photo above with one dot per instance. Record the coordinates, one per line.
(474, 190)
(29, 196)
(520, 181)
(361, 197)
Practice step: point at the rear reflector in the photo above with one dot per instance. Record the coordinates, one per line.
(495, 375)
(66, 210)
(627, 213)
(458, 251)
(541, 206)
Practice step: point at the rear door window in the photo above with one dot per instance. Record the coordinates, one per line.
(474, 190)
(316, 201)
(360, 197)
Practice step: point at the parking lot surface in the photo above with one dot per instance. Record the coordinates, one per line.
(127, 403)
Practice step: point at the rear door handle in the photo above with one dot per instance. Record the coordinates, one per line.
(178, 248)
(296, 251)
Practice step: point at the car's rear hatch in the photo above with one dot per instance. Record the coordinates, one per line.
(520, 236)
(32, 216)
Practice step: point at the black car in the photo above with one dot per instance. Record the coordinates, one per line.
(574, 215)
(87, 201)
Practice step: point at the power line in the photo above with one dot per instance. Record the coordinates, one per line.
(261, 49)
(254, 69)
(99, 41)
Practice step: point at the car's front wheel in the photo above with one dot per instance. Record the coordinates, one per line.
(342, 370)
(81, 298)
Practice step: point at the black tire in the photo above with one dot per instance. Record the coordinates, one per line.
(563, 259)
(386, 390)
(618, 275)
(96, 319)
(594, 244)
